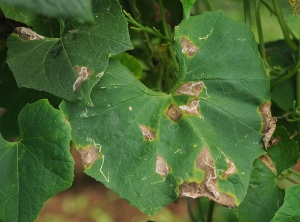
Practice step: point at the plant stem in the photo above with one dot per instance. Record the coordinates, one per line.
(286, 77)
(140, 27)
(274, 13)
(210, 211)
(61, 26)
(200, 210)
(294, 172)
(167, 34)
(260, 32)
(283, 25)
(247, 13)
(190, 210)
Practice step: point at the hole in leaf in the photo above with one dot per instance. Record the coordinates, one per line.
(209, 187)
(83, 74)
(89, 155)
(28, 34)
(173, 113)
(188, 47)
(269, 123)
(162, 167)
(191, 108)
(148, 133)
(190, 88)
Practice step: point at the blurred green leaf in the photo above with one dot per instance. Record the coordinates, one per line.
(131, 63)
(81, 10)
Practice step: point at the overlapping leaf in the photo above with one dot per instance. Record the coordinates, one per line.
(38, 165)
(80, 10)
(70, 66)
(199, 140)
(264, 197)
(290, 211)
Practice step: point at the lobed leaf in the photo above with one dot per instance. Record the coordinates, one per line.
(199, 140)
(70, 66)
(38, 165)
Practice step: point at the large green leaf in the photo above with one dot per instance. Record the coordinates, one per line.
(38, 165)
(290, 211)
(80, 10)
(264, 197)
(70, 66)
(199, 140)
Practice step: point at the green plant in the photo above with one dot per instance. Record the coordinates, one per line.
(183, 113)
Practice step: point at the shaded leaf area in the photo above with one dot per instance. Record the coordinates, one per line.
(70, 66)
(200, 140)
(80, 10)
(289, 211)
(13, 99)
(43, 25)
(264, 197)
(38, 165)
(281, 58)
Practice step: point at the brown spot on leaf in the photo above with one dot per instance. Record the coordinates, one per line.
(274, 141)
(83, 74)
(191, 108)
(269, 123)
(190, 88)
(28, 34)
(230, 170)
(174, 113)
(266, 159)
(89, 155)
(148, 133)
(188, 47)
(209, 187)
(162, 167)
(2, 111)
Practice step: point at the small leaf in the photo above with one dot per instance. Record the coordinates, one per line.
(199, 140)
(38, 165)
(80, 10)
(289, 211)
(70, 66)
(264, 197)
(131, 63)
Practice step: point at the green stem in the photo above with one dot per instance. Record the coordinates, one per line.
(247, 14)
(210, 211)
(294, 172)
(274, 13)
(168, 34)
(286, 77)
(190, 210)
(61, 26)
(200, 210)
(283, 26)
(140, 27)
(260, 32)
